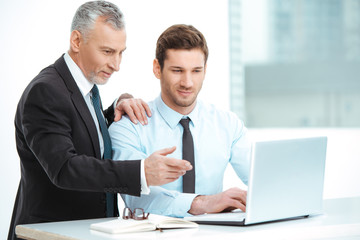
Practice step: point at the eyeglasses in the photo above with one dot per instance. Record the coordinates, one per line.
(137, 214)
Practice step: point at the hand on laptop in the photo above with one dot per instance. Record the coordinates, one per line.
(233, 198)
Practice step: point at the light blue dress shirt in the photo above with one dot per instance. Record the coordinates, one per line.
(219, 138)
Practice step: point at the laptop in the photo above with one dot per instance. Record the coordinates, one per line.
(285, 182)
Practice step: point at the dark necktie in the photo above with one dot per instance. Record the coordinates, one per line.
(110, 198)
(188, 154)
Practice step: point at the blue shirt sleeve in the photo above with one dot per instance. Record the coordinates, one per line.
(162, 201)
(125, 140)
(240, 149)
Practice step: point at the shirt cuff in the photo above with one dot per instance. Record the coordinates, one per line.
(144, 187)
(183, 204)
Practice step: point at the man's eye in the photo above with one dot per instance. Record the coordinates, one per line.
(177, 70)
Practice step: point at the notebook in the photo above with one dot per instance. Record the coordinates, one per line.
(154, 222)
(286, 181)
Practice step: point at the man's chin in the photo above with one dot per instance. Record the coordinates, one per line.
(101, 81)
(185, 103)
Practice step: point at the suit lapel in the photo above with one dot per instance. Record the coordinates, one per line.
(79, 103)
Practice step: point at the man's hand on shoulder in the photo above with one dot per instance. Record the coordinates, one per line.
(135, 108)
(233, 198)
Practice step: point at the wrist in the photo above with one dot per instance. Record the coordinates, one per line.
(198, 205)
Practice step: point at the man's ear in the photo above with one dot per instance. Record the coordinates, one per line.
(75, 40)
(156, 68)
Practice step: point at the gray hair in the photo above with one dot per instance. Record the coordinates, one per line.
(86, 15)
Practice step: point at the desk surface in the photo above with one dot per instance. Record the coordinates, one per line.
(341, 220)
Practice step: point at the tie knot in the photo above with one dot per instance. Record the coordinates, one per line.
(95, 91)
(185, 123)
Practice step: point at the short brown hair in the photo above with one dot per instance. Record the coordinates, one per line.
(180, 36)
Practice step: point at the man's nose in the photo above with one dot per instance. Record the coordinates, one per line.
(187, 80)
(115, 63)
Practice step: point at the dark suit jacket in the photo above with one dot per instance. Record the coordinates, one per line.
(62, 174)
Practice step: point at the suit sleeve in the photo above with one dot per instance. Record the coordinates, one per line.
(48, 127)
(109, 114)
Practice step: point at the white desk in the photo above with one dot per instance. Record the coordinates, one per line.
(341, 220)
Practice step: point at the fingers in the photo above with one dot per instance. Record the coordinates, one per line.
(125, 106)
(228, 200)
(242, 207)
(147, 108)
(238, 194)
(173, 163)
(166, 151)
(178, 164)
(161, 177)
(141, 110)
(229, 209)
(160, 169)
(132, 109)
(118, 115)
(136, 109)
(131, 114)
(236, 204)
(237, 198)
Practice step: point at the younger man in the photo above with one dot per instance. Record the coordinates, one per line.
(213, 138)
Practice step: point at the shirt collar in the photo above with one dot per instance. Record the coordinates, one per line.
(171, 117)
(83, 84)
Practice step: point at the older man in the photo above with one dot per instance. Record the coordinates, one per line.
(61, 131)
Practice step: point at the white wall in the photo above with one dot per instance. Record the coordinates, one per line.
(35, 33)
